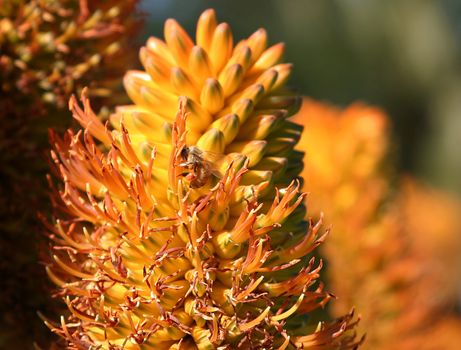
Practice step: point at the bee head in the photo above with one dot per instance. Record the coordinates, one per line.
(185, 153)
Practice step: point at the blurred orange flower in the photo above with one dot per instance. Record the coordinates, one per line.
(394, 248)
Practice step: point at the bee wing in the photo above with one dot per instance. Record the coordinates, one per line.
(213, 159)
(215, 172)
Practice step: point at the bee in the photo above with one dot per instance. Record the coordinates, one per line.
(200, 165)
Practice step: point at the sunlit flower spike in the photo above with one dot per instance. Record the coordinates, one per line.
(181, 223)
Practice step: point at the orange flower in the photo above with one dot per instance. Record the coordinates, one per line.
(393, 252)
(159, 244)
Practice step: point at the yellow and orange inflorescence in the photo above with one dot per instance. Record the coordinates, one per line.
(182, 228)
(393, 253)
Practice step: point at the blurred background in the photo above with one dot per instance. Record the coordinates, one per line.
(401, 55)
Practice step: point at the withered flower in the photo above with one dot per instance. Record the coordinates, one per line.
(48, 50)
